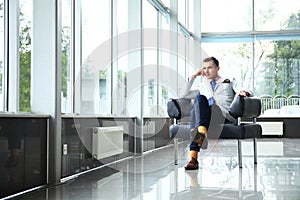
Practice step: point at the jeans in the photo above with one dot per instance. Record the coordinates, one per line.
(201, 115)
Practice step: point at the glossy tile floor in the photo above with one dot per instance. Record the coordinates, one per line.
(154, 175)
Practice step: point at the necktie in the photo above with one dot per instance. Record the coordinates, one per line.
(213, 85)
(211, 100)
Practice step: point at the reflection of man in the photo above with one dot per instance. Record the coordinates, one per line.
(13, 159)
(193, 179)
(216, 94)
(14, 145)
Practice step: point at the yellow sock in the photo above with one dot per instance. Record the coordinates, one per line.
(194, 154)
(202, 129)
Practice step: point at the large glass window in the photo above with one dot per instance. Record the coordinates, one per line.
(150, 59)
(273, 15)
(121, 65)
(276, 65)
(278, 75)
(268, 62)
(182, 12)
(224, 16)
(165, 68)
(157, 69)
(67, 70)
(96, 95)
(25, 26)
(191, 15)
(235, 60)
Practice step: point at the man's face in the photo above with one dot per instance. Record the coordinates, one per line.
(210, 70)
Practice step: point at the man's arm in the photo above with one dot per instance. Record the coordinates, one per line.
(241, 91)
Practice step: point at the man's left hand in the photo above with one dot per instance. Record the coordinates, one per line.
(244, 93)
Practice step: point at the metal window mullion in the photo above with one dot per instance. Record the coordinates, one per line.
(11, 57)
(158, 17)
(77, 56)
(6, 63)
(73, 53)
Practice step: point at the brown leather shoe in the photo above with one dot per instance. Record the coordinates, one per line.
(192, 164)
(198, 137)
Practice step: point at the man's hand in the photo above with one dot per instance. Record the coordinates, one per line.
(193, 77)
(244, 93)
(198, 73)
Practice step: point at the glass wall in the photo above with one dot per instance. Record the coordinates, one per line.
(238, 65)
(263, 56)
(95, 71)
(182, 14)
(121, 63)
(277, 76)
(67, 61)
(271, 15)
(256, 42)
(165, 67)
(25, 16)
(97, 58)
(150, 25)
(236, 17)
(190, 14)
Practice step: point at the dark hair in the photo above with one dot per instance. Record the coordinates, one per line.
(216, 62)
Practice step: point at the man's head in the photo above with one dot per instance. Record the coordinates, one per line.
(211, 67)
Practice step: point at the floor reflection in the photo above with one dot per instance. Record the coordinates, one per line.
(154, 176)
(196, 190)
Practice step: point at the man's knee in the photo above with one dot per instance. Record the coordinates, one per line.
(192, 113)
(202, 99)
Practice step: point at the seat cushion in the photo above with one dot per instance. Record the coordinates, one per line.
(226, 131)
(243, 131)
(179, 131)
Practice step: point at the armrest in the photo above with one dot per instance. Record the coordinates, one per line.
(248, 107)
(179, 108)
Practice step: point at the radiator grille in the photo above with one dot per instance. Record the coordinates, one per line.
(107, 141)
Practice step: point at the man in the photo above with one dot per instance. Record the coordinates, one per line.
(216, 96)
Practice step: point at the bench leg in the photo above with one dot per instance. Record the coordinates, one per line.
(175, 151)
(255, 150)
(240, 153)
